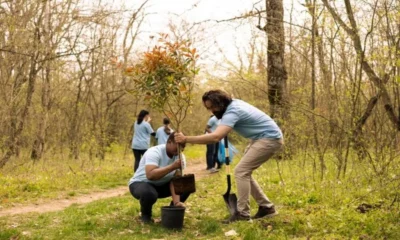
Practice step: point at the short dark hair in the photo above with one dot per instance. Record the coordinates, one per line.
(218, 98)
(166, 121)
(171, 139)
(141, 116)
(167, 129)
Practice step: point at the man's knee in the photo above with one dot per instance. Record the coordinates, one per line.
(241, 172)
(149, 196)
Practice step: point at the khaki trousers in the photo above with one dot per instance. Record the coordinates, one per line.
(256, 153)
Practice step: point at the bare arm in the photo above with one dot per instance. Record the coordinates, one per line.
(213, 137)
(155, 173)
(175, 198)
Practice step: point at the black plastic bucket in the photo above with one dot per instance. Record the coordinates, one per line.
(172, 217)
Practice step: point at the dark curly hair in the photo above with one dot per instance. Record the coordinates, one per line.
(218, 98)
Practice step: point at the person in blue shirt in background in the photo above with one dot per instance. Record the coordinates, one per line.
(212, 149)
(265, 137)
(141, 137)
(163, 132)
(152, 180)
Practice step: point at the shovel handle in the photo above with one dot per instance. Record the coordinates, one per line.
(227, 160)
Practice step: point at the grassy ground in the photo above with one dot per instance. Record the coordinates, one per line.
(309, 209)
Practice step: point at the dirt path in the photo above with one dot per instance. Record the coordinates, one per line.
(196, 168)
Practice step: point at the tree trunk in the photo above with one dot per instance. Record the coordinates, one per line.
(39, 143)
(276, 70)
(13, 144)
(314, 30)
(18, 125)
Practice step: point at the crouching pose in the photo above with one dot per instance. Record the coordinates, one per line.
(152, 180)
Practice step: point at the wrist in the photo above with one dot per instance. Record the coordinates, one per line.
(173, 167)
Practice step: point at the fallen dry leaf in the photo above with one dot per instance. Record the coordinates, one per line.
(230, 233)
(145, 231)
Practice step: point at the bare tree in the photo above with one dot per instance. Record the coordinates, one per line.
(379, 82)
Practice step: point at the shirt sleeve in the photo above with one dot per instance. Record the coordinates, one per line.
(149, 128)
(230, 118)
(157, 134)
(210, 122)
(152, 158)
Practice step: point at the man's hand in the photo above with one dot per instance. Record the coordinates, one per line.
(179, 204)
(180, 138)
(155, 173)
(177, 164)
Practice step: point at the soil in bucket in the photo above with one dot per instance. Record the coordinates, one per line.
(172, 217)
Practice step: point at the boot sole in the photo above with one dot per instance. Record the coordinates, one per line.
(267, 216)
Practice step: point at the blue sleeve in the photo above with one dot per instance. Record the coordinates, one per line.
(149, 128)
(152, 158)
(230, 118)
(210, 122)
(157, 134)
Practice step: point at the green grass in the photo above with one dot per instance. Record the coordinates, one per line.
(195, 152)
(309, 209)
(60, 177)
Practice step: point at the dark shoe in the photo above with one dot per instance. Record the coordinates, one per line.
(236, 217)
(146, 219)
(265, 212)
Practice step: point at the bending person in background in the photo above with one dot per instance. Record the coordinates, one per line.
(153, 178)
(265, 140)
(141, 137)
(212, 148)
(163, 132)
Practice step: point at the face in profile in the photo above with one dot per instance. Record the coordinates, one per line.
(218, 114)
(172, 149)
(217, 111)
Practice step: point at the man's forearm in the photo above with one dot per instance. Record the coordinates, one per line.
(158, 173)
(203, 139)
(175, 198)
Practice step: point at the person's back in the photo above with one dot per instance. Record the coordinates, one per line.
(141, 138)
(249, 121)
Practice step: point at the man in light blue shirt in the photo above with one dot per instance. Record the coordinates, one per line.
(163, 132)
(265, 140)
(152, 180)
